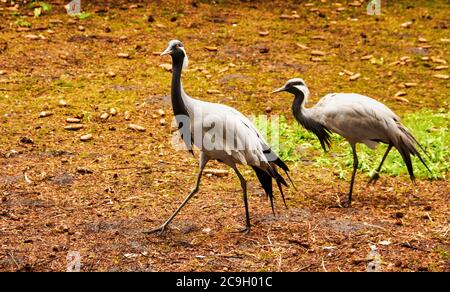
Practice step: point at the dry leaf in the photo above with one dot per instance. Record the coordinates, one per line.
(136, 127)
(355, 77)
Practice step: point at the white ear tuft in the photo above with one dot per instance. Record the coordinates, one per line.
(185, 60)
(305, 91)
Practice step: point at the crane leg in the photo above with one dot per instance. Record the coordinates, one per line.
(162, 228)
(376, 176)
(355, 168)
(244, 193)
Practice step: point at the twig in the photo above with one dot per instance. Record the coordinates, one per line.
(14, 260)
(323, 266)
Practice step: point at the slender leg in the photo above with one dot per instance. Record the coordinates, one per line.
(244, 192)
(355, 168)
(376, 176)
(161, 229)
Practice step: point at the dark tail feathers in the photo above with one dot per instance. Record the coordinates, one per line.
(406, 145)
(265, 178)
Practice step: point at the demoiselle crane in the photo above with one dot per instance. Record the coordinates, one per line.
(357, 118)
(220, 133)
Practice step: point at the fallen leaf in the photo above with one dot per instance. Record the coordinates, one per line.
(45, 114)
(211, 48)
(73, 127)
(86, 137)
(441, 76)
(400, 93)
(366, 57)
(123, 55)
(73, 120)
(442, 67)
(216, 172)
(136, 127)
(317, 53)
(166, 66)
(355, 77)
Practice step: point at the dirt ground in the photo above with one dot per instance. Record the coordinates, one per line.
(60, 195)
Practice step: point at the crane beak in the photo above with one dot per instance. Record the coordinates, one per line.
(168, 51)
(279, 89)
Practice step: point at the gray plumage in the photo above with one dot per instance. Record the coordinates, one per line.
(200, 122)
(357, 118)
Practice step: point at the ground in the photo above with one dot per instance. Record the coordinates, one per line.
(59, 194)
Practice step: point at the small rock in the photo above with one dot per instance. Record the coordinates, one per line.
(123, 55)
(161, 112)
(45, 114)
(111, 74)
(162, 122)
(406, 24)
(62, 103)
(73, 127)
(206, 230)
(127, 116)
(213, 91)
(355, 76)
(86, 137)
(422, 40)
(73, 120)
(2, 72)
(107, 29)
(268, 110)
(112, 111)
(445, 40)
(385, 242)
(104, 116)
(136, 127)
(264, 50)
(81, 28)
(263, 33)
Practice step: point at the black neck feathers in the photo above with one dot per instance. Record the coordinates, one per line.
(322, 133)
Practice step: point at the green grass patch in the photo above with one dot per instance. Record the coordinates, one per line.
(430, 129)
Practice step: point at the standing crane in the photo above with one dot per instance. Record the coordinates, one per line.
(221, 133)
(357, 118)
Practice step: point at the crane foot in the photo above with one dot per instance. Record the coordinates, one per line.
(160, 230)
(245, 230)
(374, 178)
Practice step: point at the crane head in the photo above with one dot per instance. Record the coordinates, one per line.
(176, 50)
(292, 86)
